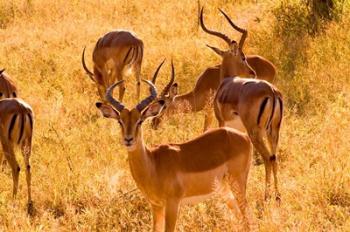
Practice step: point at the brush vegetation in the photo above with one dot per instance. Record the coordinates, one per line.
(81, 177)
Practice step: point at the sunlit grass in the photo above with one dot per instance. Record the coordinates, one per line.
(81, 178)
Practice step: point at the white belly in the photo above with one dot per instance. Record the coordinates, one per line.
(196, 199)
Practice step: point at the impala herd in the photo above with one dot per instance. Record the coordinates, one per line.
(247, 106)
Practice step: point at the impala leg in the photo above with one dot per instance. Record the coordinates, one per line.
(26, 151)
(207, 121)
(158, 213)
(237, 201)
(121, 91)
(273, 138)
(138, 81)
(2, 160)
(171, 211)
(258, 142)
(11, 158)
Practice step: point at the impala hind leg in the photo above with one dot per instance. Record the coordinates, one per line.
(11, 158)
(158, 213)
(171, 211)
(273, 138)
(256, 137)
(26, 151)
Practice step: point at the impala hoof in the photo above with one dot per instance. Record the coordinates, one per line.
(30, 208)
(278, 199)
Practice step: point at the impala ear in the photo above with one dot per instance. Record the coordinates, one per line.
(107, 110)
(173, 90)
(153, 110)
(216, 50)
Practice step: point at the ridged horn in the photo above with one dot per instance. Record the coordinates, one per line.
(241, 30)
(109, 97)
(88, 72)
(156, 72)
(148, 100)
(215, 33)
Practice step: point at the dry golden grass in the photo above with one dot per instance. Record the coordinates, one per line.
(80, 169)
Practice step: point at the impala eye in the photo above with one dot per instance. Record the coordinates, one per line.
(14, 94)
(0, 94)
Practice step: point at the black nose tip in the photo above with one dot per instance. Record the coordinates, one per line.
(128, 140)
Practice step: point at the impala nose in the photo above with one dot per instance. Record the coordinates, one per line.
(128, 141)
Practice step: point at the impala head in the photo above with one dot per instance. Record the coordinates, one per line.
(167, 95)
(7, 87)
(130, 121)
(234, 62)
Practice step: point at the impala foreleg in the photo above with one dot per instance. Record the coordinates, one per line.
(171, 211)
(138, 80)
(158, 213)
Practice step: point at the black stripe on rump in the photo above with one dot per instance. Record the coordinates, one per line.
(262, 108)
(30, 121)
(281, 111)
(22, 128)
(12, 124)
(127, 55)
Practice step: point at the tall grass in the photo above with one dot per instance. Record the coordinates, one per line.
(81, 178)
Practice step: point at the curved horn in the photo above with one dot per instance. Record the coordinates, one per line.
(215, 33)
(148, 100)
(172, 78)
(109, 97)
(156, 73)
(88, 72)
(241, 30)
(1, 71)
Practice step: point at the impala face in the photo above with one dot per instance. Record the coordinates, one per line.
(130, 121)
(235, 62)
(168, 103)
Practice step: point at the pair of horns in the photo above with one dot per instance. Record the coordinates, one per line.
(172, 78)
(221, 35)
(148, 100)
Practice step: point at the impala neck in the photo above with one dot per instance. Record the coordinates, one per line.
(140, 163)
(227, 70)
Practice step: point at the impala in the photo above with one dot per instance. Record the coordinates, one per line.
(16, 130)
(168, 175)
(254, 106)
(207, 84)
(115, 53)
(7, 86)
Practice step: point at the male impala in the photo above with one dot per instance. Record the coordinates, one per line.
(207, 84)
(168, 175)
(16, 129)
(7, 87)
(254, 106)
(114, 54)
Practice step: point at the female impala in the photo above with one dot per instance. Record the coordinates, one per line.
(254, 106)
(114, 53)
(7, 87)
(168, 175)
(16, 129)
(208, 82)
